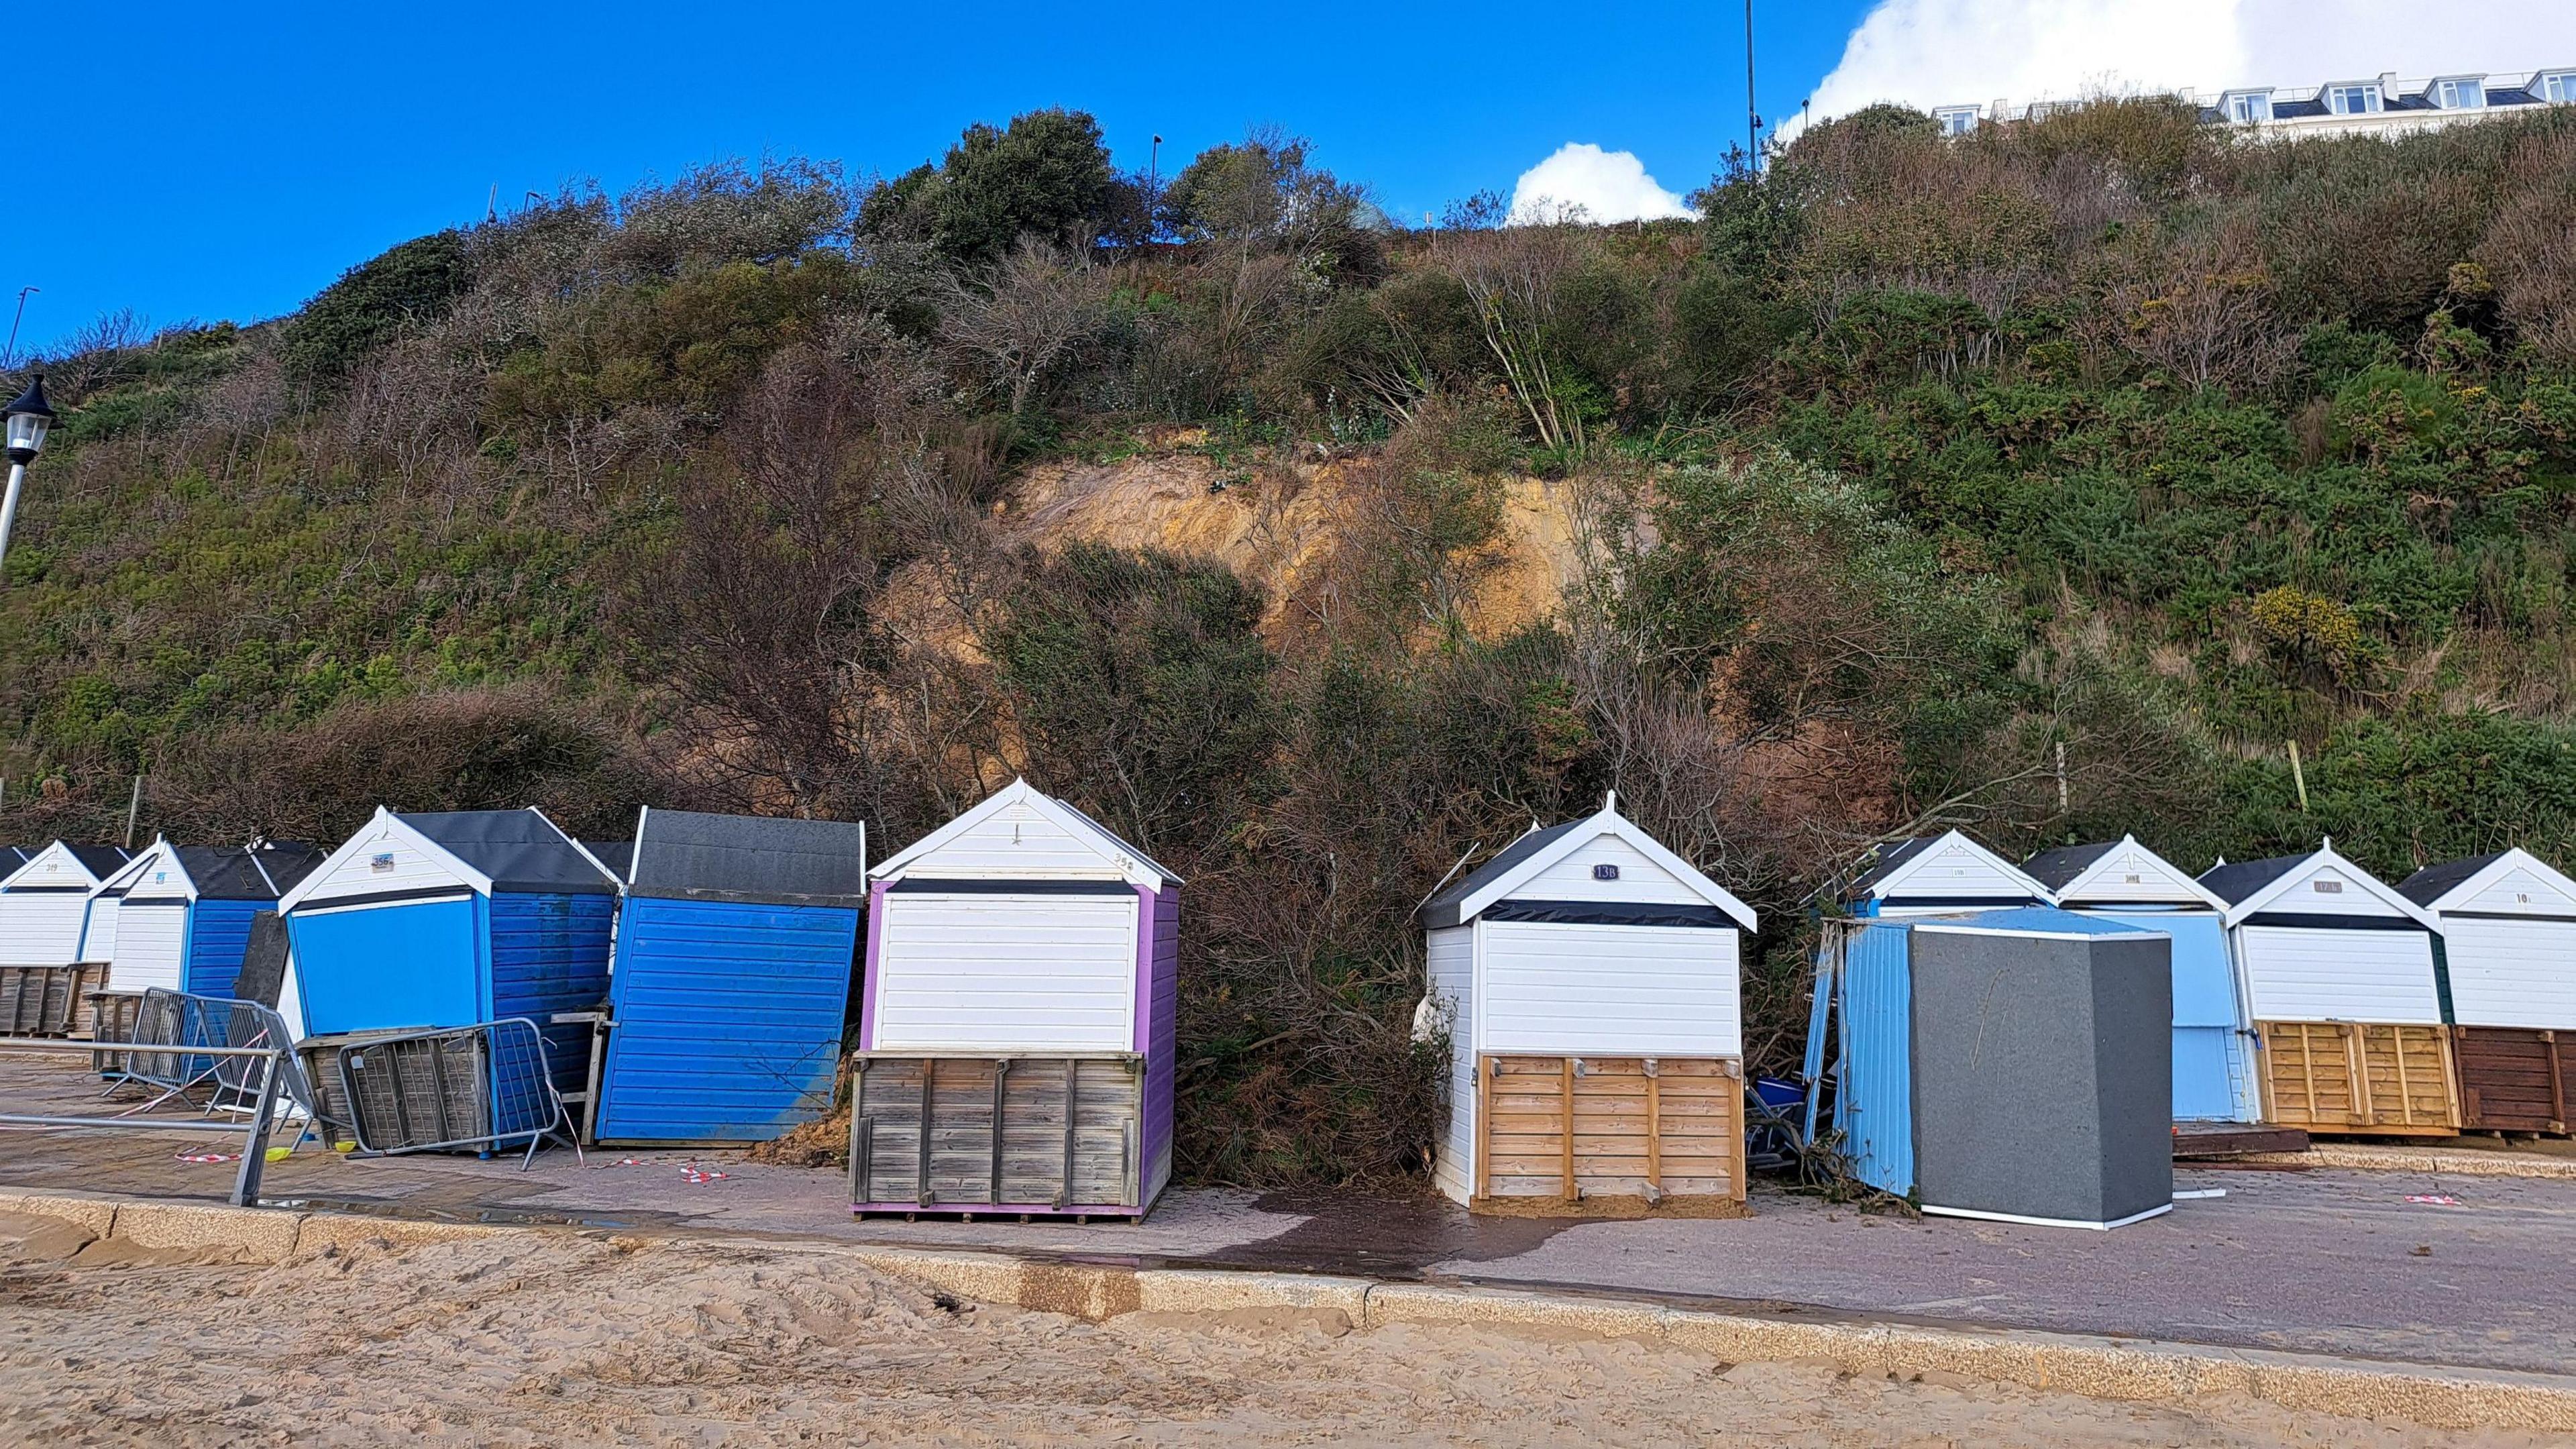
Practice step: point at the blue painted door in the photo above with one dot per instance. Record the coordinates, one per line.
(729, 1019)
(2213, 1077)
(377, 967)
(1875, 1106)
(218, 938)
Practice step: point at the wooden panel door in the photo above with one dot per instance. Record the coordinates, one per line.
(1609, 1130)
(2352, 1077)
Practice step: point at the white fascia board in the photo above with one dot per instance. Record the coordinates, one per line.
(385, 823)
(2516, 858)
(2074, 890)
(39, 857)
(2378, 889)
(1611, 822)
(1925, 856)
(132, 870)
(1112, 851)
(162, 854)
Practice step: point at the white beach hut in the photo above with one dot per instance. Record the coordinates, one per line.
(44, 902)
(2508, 944)
(1588, 979)
(1943, 874)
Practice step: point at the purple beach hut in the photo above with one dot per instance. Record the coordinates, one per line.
(1016, 1044)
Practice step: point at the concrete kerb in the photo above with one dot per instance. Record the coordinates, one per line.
(2069, 1363)
(2371, 1157)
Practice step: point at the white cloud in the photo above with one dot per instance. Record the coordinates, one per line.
(1607, 185)
(1935, 52)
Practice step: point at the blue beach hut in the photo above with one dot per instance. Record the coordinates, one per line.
(183, 912)
(449, 919)
(2214, 1063)
(735, 949)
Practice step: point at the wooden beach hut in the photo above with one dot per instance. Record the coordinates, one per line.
(2508, 942)
(2342, 983)
(45, 902)
(2214, 1077)
(1016, 1039)
(1587, 981)
(1939, 875)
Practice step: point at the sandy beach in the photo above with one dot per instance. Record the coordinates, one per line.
(544, 1338)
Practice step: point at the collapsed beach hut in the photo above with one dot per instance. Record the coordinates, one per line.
(2341, 980)
(732, 983)
(44, 902)
(1589, 983)
(1938, 874)
(454, 919)
(2508, 944)
(2001, 1064)
(1017, 1030)
(183, 912)
(2214, 1077)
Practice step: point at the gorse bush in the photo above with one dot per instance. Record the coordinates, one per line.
(2050, 482)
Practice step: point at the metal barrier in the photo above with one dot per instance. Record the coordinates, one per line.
(191, 1023)
(274, 1065)
(482, 1087)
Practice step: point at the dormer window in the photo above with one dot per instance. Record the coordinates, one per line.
(2353, 100)
(2464, 93)
(2558, 87)
(1956, 120)
(2249, 108)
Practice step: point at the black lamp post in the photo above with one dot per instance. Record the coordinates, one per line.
(28, 419)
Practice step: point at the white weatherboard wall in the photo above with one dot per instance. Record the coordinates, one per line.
(98, 928)
(41, 928)
(150, 944)
(2512, 973)
(1639, 879)
(383, 858)
(1020, 840)
(2295, 973)
(1450, 964)
(2133, 874)
(977, 971)
(1598, 990)
(1951, 870)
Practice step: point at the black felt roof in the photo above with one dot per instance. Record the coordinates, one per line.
(520, 850)
(2433, 882)
(99, 860)
(1442, 910)
(2233, 883)
(685, 856)
(617, 855)
(246, 873)
(2054, 868)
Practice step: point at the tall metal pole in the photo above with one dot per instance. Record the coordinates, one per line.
(9, 506)
(9, 354)
(1752, 112)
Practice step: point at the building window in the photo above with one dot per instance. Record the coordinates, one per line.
(1956, 120)
(2249, 108)
(2358, 100)
(2558, 87)
(2460, 95)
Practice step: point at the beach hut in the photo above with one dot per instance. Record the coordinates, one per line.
(183, 912)
(2508, 941)
(1588, 981)
(1018, 1016)
(45, 901)
(1938, 874)
(451, 919)
(2340, 979)
(732, 985)
(2213, 1043)
(2000, 1064)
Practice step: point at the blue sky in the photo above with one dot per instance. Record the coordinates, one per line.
(215, 162)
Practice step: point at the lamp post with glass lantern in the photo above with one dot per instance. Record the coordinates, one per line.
(28, 419)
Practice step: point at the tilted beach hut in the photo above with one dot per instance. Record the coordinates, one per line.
(2341, 978)
(44, 902)
(1589, 982)
(451, 919)
(1936, 875)
(2508, 944)
(1022, 980)
(183, 912)
(735, 950)
(2214, 1077)
(2000, 1064)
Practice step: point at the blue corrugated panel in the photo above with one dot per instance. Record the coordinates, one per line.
(218, 938)
(1875, 1107)
(381, 967)
(729, 1019)
(2213, 1075)
(550, 954)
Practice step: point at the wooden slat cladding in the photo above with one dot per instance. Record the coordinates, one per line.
(2310, 1069)
(47, 1000)
(2515, 1079)
(1646, 1128)
(1032, 1162)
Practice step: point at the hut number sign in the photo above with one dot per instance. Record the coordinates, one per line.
(1605, 872)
